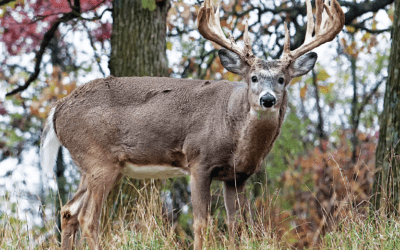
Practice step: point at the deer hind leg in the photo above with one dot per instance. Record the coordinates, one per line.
(99, 180)
(69, 216)
(200, 192)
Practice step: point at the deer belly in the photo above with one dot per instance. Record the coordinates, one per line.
(152, 172)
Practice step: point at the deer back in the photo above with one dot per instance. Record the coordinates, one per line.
(149, 120)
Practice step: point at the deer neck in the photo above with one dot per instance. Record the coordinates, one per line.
(254, 132)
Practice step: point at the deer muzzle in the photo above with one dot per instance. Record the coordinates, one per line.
(267, 100)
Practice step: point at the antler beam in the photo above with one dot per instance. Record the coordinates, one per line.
(327, 25)
(210, 28)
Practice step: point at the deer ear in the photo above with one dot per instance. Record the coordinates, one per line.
(232, 62)
(303, 64)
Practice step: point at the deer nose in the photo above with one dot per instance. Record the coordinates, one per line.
(267, 100)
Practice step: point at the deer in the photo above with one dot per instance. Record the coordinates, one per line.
(160, 127)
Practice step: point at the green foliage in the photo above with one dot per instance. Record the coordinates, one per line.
(149, 4)
(287, 147)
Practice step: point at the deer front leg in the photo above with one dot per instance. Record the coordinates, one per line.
(200, 194)
(234, 200)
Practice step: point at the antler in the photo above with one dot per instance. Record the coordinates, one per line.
(327, 26)
(210, 28)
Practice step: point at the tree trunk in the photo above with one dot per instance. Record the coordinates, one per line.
(386, 186)
(138, 48)
(62, 195)
(320, 125)
(354, 121)
(138, 41)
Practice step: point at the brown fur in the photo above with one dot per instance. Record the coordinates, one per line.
(202, 126)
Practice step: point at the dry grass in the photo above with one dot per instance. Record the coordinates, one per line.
(145, 227)
(334, 215)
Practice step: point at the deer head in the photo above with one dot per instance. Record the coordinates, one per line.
(266, 80)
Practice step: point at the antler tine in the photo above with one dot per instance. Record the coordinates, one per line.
(246, 37)
(286, 46)
(310, 21)
(209, 27)
(319, 6)
(327, 25)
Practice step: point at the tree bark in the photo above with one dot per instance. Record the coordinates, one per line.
(62, 195)
(138, 40)
(138, 48)
(386, 186)
(354, 121)
(320, 125)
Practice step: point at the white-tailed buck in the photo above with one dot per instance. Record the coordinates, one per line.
(153, 127)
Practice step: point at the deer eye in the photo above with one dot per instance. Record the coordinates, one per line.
(254, 78)
(281, 80)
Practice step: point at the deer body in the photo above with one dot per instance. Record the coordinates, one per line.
(149, 127)
(154, 130)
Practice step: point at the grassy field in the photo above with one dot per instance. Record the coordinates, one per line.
(145, 227)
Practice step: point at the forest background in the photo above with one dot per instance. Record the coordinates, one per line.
(319, 174)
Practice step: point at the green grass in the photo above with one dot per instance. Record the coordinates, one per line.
(364, 234)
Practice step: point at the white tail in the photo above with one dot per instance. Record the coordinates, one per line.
(49, 145)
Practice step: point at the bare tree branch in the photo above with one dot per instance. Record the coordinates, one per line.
(358, 9)
(362, 27)
(354, 11)
(96, 17)
(46, 40)
(39, 56)
(369, 96)
(97, 57)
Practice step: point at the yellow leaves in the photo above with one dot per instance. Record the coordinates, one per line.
(169, 45)
(350, 29)
(295, 80)
(11, 5)
(366, 37)
(352, 49)
(70, 87)
(323, 89)
(322, 75)
(238, 8)
(326, 89)
(303, 92)
(391, 13)
(230, 76)
(217, 66)
(321, 78)
(353, 46)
